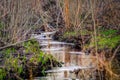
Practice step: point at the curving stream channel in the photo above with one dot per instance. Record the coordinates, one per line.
(77, 65)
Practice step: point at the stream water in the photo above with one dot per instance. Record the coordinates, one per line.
(77, 65)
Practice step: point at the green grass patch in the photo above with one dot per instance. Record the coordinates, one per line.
(75, 33)
(106, 39)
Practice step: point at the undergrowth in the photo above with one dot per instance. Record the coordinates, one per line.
(27, 61)
(106, 39)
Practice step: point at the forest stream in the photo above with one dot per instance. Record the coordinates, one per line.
(76, 64)
(59, 40)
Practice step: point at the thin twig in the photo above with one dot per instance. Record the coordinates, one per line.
(4, 47)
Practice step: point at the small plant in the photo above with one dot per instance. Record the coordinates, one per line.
(2, 74)
(32, 47)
